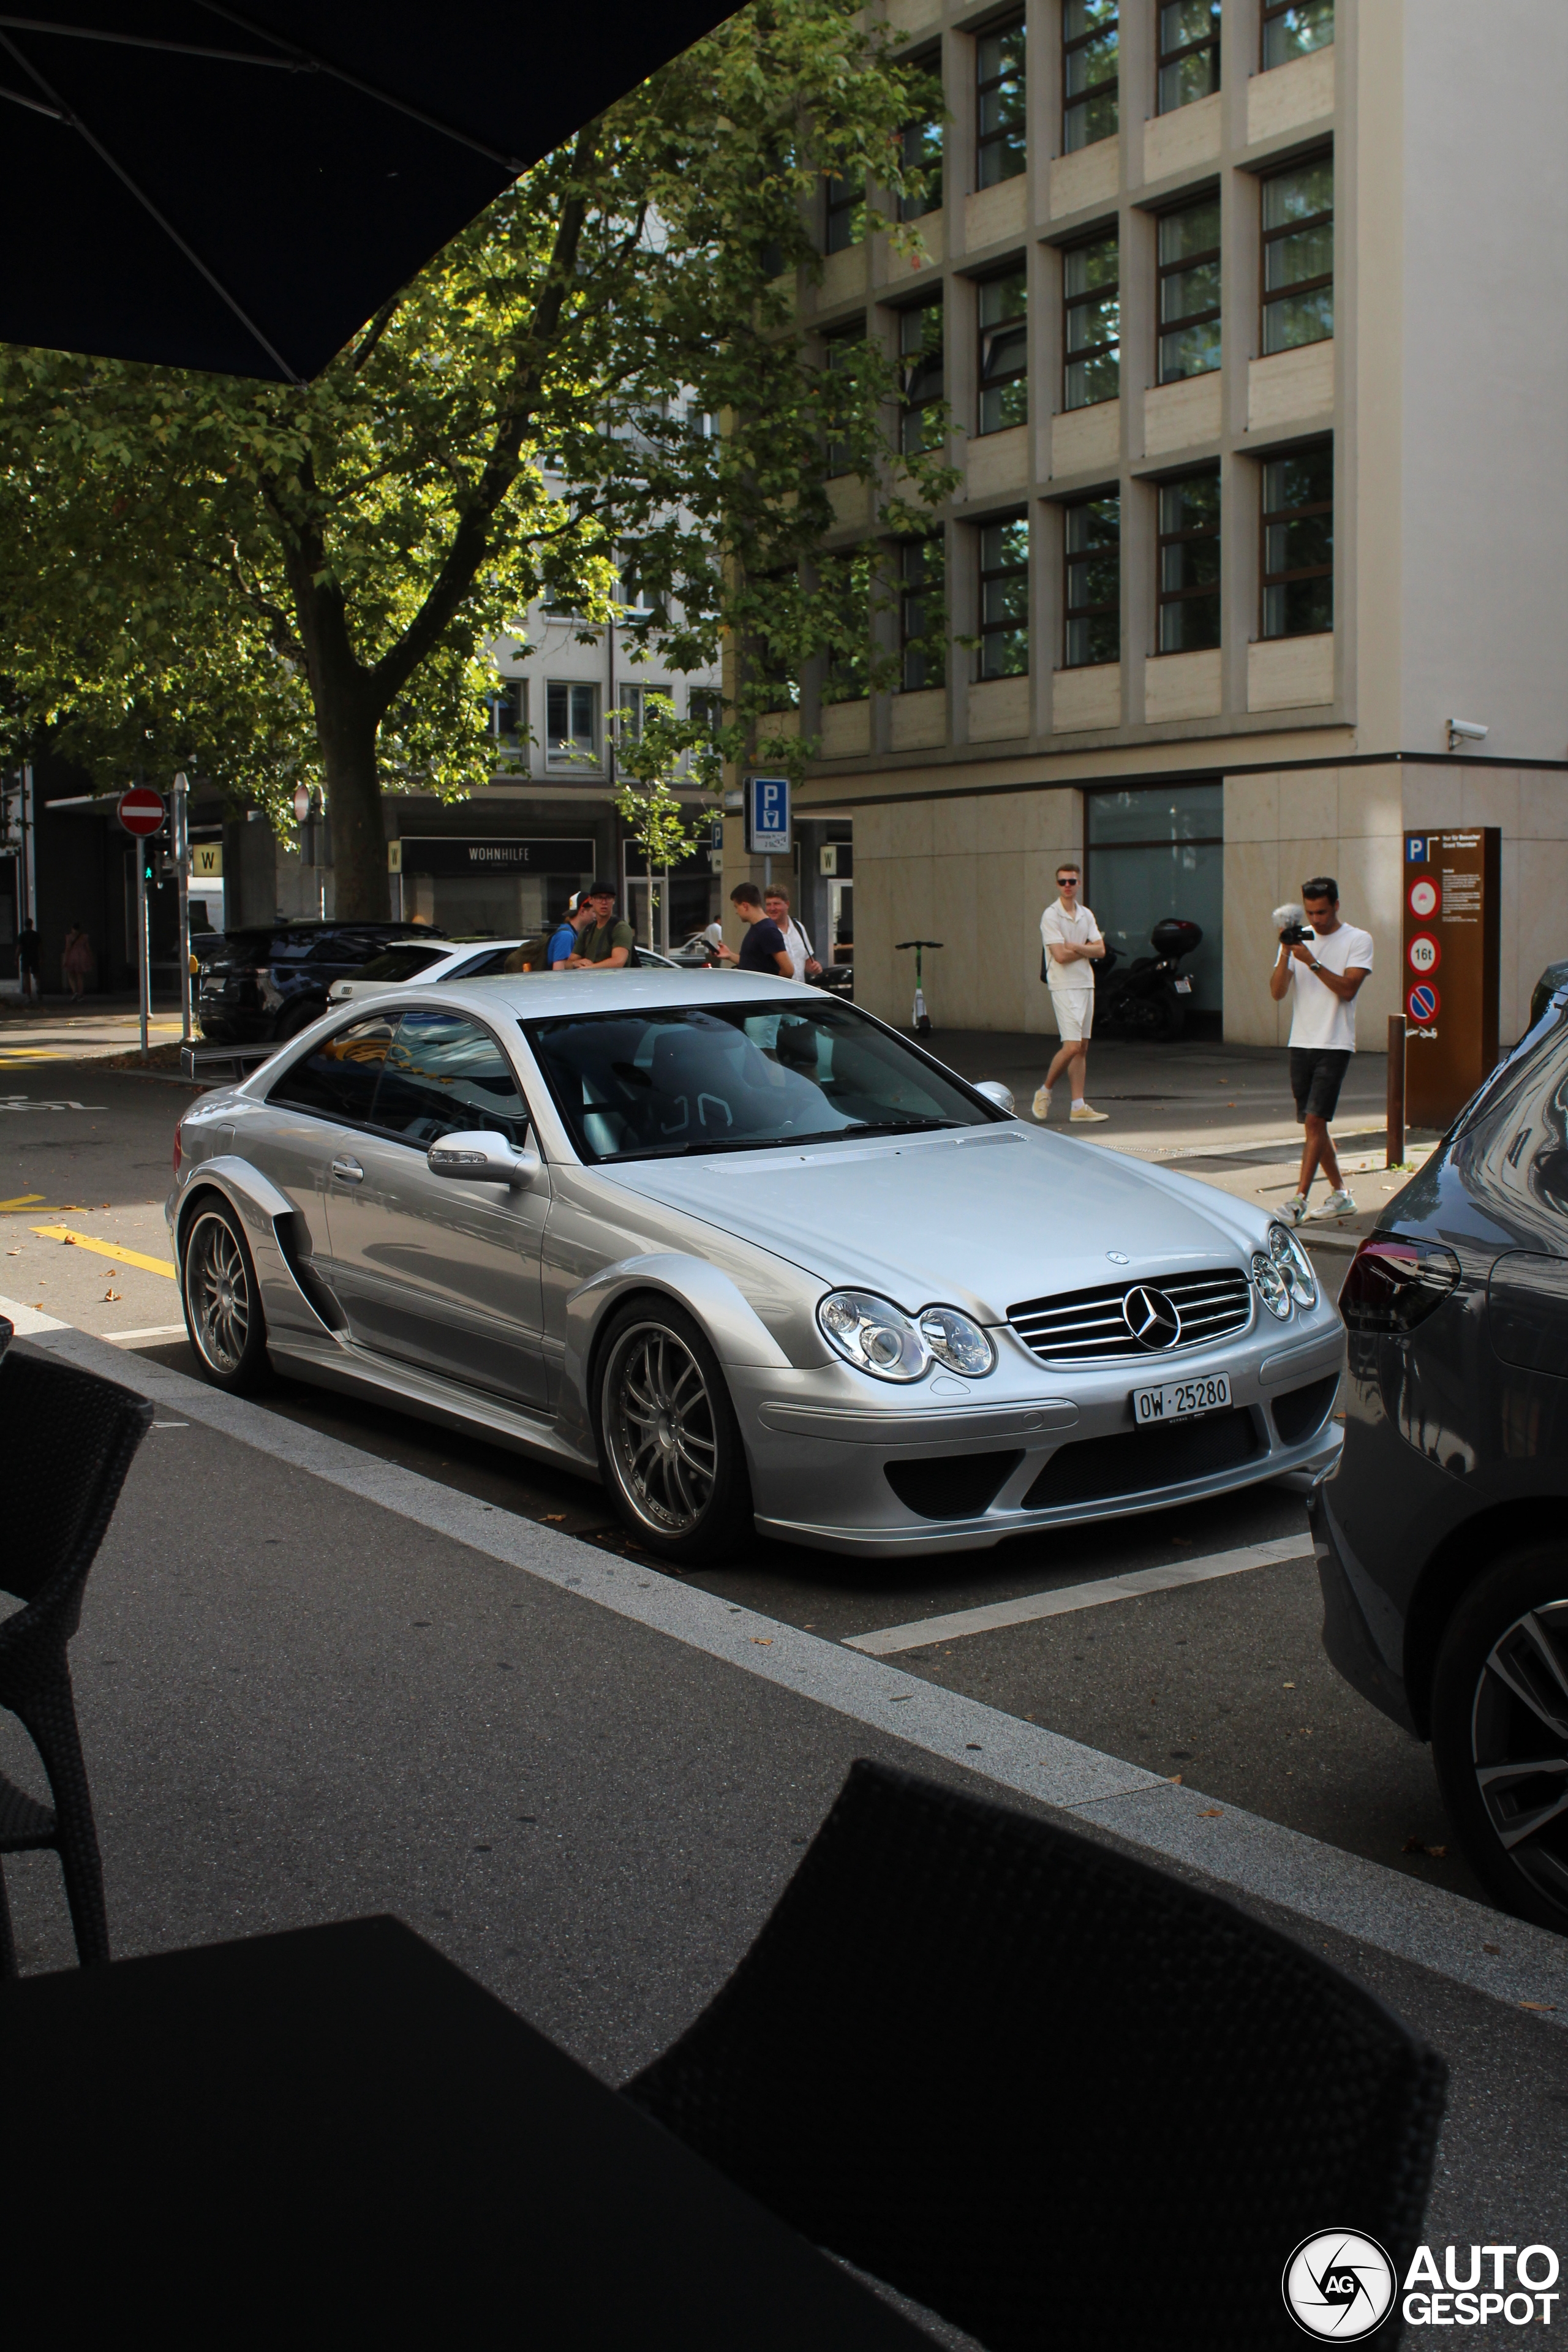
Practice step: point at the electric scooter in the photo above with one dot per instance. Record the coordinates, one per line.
(921, 1017)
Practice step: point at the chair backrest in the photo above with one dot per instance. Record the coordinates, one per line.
(1056, 2095)
(68, 1439)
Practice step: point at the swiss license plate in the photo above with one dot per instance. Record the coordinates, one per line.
(1183, 987)
(1180, 1399)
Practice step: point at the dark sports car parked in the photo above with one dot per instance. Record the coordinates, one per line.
(265, 984)
(1442, 1537)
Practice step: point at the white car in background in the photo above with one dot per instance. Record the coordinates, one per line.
(430, 960)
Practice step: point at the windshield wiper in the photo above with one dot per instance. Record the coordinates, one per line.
(784, 1142)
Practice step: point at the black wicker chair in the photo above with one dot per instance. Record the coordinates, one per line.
(1055, 2095)
(69, 1439)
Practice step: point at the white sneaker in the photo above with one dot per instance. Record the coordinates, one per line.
(1042, 1102)
(1084, 1114)
(1338, 1204)
(1295, 1210)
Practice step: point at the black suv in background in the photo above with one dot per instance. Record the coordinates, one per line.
(264, 984)
(1442, 1535)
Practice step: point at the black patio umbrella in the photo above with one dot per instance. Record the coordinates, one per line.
(238, 189)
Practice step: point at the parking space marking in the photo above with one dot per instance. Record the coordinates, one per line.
(153, 1331)
(920, 1635)
(106, 1249)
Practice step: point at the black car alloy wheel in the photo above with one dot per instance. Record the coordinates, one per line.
(1500, 1732)
(223, 1311)
(671, 1446)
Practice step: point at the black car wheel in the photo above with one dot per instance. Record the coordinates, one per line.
(1499, 1731)
(668, 1437)
(296, 1017)
(222, 1304)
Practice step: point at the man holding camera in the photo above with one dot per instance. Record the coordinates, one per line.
(1325, 961)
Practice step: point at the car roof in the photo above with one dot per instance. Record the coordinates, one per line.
(533, 996)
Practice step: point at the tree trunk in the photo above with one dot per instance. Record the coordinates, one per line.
(354, 797)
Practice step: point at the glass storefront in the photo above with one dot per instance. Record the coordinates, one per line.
(1158, 850)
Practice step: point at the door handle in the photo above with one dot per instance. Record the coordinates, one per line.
(347, 1169)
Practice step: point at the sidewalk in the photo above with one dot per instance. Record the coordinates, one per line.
(60, 1029)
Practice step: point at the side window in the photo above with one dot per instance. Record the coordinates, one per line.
(445, 1074)
(338, 1079)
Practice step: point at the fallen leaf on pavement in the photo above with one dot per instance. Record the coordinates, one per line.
(1212, 1813)
(1435, 1852)
(1549, 2006)
(1493, 1948)
(553, 1518)
(763, 1641)
(110, 1297)
(1175, 1778)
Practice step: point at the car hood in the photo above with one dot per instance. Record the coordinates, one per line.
(983, 1219)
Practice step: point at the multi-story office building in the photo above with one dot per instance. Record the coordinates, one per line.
(1251, 318)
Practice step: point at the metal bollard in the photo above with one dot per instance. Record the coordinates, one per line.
(1396, 1090)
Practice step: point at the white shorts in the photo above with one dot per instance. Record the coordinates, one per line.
(1075, 1014)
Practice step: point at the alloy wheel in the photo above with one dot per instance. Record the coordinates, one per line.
(662, 1429)
(1519, 1744)
(217, 1291)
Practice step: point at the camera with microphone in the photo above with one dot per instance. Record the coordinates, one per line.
(1295, 929)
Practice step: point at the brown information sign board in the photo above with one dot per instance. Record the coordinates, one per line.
(1448, 968)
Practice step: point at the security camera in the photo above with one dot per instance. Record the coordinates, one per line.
(1465, 731)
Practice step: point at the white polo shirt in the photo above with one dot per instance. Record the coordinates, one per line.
(1069, 926)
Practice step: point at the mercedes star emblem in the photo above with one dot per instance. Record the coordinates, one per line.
(1118, 1257)
(1150, 1318)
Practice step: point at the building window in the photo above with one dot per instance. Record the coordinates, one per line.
(1189, 52)
(1189, 563)
(919, 613)
(705, 707)
(570, 722)
(1004, 353)
(921, 373)
(1092, 325)
(845, 223)
(1298, 256)
(1004, 598)
(921, 144)
(1090, 47)
(1093, 542)
(1299, 543)
(1292, 27)
(1000, 136)
(509, 710)
(841, 353)
(1189, 290)
(637, 703)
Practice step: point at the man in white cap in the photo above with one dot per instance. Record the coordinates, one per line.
(1071, 942)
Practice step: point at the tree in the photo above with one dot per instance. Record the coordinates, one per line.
(307, 580)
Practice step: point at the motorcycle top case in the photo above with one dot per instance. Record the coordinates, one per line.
(1175, 938)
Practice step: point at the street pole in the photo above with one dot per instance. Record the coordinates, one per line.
(1396, 1140)
(143, 965)
(182, 875)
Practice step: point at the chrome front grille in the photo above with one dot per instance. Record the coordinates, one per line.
(1088, 1326)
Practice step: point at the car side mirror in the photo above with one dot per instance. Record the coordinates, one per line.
(994, 1091)
(483, 1159)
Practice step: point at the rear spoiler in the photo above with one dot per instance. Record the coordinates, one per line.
(215, 1063)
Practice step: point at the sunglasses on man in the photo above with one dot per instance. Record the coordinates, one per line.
(1066, 881)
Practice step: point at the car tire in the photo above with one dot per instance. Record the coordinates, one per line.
(221, 1300)
(296, 1017)
(1499, 1731)
(668, 1440)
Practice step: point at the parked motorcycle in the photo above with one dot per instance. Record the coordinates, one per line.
(1149, 997)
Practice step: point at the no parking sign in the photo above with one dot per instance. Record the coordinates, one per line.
(1423, 1003)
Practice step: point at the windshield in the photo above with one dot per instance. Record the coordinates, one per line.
(675, 1079)
(399, 964)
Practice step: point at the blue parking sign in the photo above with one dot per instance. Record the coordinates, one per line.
(1415, 848)
(768, 816)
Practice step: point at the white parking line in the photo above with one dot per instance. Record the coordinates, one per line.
(925, 1630)
(153, 1331)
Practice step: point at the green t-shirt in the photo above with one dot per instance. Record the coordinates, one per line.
(596, 942)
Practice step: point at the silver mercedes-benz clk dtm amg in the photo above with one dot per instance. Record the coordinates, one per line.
(747, 1256)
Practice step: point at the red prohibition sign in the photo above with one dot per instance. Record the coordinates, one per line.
(1423, 954)
(140, 809)
(1423, 1003)
(1425, 898)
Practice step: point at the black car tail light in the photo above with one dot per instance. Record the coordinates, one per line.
(1395, 1284)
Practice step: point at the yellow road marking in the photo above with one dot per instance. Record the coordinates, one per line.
(106, 1249)
(22, 1201)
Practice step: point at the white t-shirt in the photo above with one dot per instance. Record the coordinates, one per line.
(797, 943)
(1069, 927)
(1321, 1019)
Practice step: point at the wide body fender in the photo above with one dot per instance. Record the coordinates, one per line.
(292, 1297)
(734, 1328)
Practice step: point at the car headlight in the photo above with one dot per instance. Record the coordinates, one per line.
(957, 1342)
(1269, 1281)
(876, 1336)
(1295, 1266)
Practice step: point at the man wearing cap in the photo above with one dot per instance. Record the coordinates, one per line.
(604, 945)
(564, 940)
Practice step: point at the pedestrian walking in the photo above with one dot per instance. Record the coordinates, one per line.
(1326, 974)
(604, 944)
(76, 960)
(29, 948)
(1070, 947)
(762, 949)
(567, 935)
(802, 954)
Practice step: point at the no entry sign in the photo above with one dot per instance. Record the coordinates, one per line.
(140, 809)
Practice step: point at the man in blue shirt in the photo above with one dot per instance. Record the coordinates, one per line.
(568, 930)
(763, 948)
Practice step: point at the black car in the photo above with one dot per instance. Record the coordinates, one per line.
(267, 983)
(1442, 1537)
(1554, 977)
